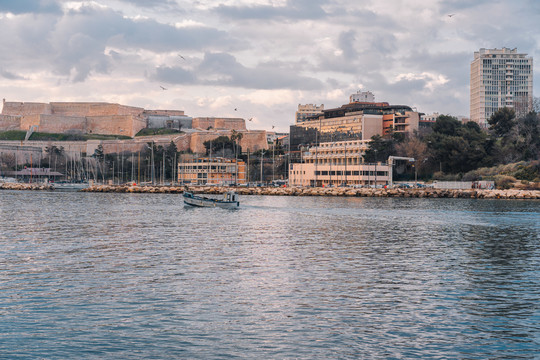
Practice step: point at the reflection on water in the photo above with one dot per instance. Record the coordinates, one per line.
(140, 276)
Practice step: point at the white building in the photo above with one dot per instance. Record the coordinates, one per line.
(337, 163)
(362, 96)
(500, 78)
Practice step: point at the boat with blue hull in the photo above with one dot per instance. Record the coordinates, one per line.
(229, 200)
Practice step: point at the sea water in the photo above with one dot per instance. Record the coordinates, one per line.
(128, 276)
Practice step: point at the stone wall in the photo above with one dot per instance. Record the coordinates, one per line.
(164, 112)
(10, 122)
(29, 120)
(25, 108)
(204, 123)
(62, 124)
(114, 125)
(93, 109)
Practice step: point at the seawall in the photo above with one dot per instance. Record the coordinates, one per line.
(295, 191)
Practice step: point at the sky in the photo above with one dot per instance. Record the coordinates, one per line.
(256, 59)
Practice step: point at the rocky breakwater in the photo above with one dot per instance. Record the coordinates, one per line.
(390, 192)
(135, 189)
(25, 186)
(300, 191)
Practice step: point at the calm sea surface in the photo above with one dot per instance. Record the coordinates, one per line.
(127, 276)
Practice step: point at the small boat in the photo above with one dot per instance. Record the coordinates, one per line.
(229, 201)
(69, 186)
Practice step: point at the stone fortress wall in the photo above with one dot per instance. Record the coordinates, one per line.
(62, 117)
(205, 123)
(116, 119)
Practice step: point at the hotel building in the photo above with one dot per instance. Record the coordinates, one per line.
(500, 78)
(212, 171)
(364, 118)
(337, 163)
(308, 110)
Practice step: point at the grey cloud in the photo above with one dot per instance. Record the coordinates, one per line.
(294, 9)
(377, 52)
(11, 76)
(73, 44)
(30, 6)
(149, 3)
(223, 69)
(174, 75)
(455, 66)
(346, 42)
(264, 76)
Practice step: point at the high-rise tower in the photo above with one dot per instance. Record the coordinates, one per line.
(500, 78)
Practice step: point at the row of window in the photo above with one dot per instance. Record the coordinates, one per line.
(206, 167)
(351, 173)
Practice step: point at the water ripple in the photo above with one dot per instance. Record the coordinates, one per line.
(140, 276)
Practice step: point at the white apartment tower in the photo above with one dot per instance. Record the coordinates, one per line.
(500, 78)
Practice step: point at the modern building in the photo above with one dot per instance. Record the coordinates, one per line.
(362, 96)
(500, 78)
(337, 163)
(308, 110)
(364, 119)
(212, 171)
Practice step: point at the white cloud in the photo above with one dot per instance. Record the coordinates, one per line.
(264, 56)
(270, 97)
(431, 80)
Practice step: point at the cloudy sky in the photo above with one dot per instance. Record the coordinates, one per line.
(260, 57)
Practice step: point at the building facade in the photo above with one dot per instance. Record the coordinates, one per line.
(337, 163)
(308, 110)
(500, 78)
(364, 119)
(212, 171)
(362, 96)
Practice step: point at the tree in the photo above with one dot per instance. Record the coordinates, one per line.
(446, 125)
(236, 137)
(221, 144)
(457, 147)
(413, 147)
(502, 122)
(379, 149)
(527, 142)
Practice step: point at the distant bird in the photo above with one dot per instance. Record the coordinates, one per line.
(183, 58)
(250, 119)
(450, 15)
(235, 109)
(272, 126)
(162, 88)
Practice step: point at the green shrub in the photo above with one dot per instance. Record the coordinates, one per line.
(504, 181)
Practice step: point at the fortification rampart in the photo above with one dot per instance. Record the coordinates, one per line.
(29, 120)
(93, 109)
(164, 112)
(61, 124)
(25, 108)
(205, 123)
(10, 122)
